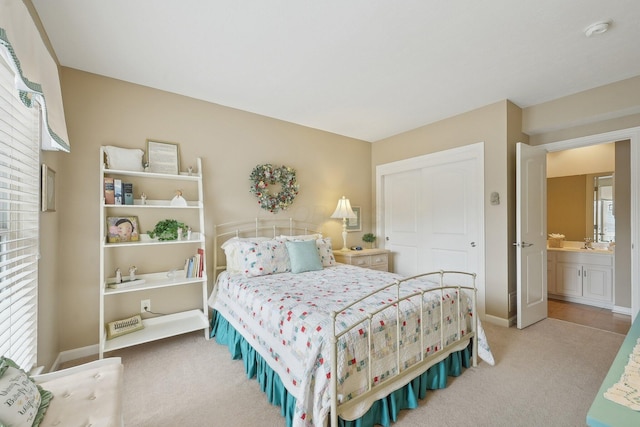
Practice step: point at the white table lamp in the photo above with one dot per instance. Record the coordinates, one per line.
(344, 211)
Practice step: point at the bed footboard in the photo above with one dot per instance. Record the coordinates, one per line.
(440, 284)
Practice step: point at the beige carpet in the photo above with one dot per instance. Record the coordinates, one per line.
(545, 375)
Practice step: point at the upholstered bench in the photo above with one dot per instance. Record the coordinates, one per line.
(85, 395)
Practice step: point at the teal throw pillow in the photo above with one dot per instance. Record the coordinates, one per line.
(304, 256)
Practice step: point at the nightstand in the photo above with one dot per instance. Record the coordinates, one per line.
(375, 259)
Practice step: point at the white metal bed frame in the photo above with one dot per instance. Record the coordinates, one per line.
(275, 227)
(403, 377)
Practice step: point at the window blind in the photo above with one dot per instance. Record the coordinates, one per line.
(19, 223)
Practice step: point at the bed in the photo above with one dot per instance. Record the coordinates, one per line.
(296, 318)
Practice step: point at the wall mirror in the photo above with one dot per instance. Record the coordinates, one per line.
(582, 206)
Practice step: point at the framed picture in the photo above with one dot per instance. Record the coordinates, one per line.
(163, 157)
(48, 190)
(122, 229)
(354, 224)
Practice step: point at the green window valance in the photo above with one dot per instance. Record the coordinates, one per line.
(37, 78)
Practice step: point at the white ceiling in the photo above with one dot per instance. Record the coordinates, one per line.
(367, 69)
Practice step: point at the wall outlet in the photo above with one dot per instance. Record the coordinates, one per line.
(145, 305)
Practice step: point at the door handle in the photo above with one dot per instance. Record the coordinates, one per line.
(522, 244)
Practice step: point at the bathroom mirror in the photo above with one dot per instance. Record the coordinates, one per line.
(582, 206)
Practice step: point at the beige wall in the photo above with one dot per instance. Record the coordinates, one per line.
(603, 109)
(567, 206)
(498, 126)
(102, 111)
(48, 273)
(592, 159)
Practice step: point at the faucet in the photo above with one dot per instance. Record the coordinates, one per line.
(587, 243)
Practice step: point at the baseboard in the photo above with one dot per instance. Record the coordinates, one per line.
(498, 320)
(621, 310)
(579, 300)
(76, 353)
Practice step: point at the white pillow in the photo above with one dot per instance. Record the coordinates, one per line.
(127, 159)
(301, 237)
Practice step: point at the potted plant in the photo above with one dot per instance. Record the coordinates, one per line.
(168, 229)
(369, 238)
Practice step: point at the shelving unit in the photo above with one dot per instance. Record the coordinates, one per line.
(159, 263)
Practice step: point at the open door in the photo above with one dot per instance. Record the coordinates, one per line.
(531, 234)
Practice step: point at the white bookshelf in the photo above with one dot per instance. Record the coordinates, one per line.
(155, 326)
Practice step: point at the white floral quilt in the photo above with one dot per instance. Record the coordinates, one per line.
(285, 318)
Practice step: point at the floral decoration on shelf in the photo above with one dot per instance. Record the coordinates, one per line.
(264, 175)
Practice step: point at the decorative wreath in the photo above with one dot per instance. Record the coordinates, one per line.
(264, 175)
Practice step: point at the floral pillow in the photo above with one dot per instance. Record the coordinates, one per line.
(325, 250)
(22, 401)
(261, 258)
(232, 248)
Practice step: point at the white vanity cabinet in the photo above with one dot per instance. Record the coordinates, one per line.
(583, 277)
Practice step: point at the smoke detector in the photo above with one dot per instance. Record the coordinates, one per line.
(597, 28)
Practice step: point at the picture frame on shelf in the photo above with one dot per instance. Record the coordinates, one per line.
(48, 189)
(354, 224)
(122, 229)
(163, 157)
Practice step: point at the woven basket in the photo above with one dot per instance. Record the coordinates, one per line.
(555, 243)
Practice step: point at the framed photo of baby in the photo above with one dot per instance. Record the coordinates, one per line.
(122, 229)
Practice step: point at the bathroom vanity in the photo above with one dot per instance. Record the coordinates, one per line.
(581, 275)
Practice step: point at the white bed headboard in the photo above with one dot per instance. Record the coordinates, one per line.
(257, 227)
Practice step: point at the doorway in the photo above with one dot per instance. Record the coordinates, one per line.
(633, 136)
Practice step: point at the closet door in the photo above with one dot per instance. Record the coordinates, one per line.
(449, 229)
(432, 211)
(403, 220)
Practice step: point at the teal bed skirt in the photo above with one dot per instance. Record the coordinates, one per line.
(383, 411)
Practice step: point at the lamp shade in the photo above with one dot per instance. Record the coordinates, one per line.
(343, 210)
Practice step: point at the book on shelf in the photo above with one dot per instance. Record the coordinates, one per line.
(117, 188)
(127, 190)
(109, 191)
(125, 283)
(201, 264)
(189, 268)
(194, 265)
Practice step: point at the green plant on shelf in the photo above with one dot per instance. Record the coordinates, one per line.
(369, 238)
(167, 229)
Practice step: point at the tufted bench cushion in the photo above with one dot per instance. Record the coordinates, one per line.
(85, 395)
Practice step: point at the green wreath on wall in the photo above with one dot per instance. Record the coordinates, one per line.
(262, 176)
